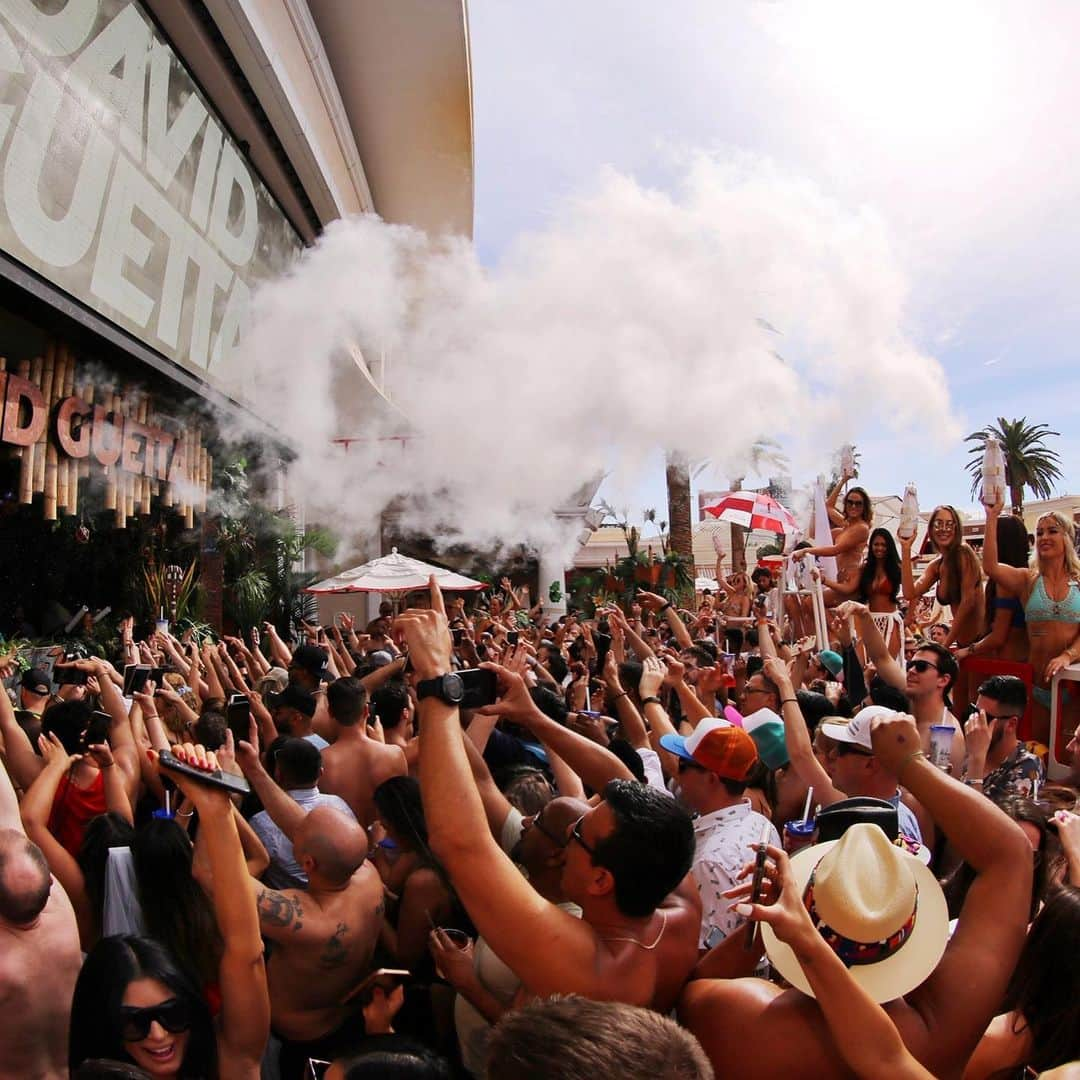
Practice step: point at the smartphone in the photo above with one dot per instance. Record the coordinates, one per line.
(97, 731)
(387, 979)
(70, 676)
(230, 782)
(136, 677)
(157, 676)
(481, 687)
(238, 717)
(512, 637)
(457, 634)
(602, 643)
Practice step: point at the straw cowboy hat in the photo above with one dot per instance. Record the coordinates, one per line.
(882, 912)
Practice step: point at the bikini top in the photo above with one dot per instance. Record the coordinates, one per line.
(1040, 608)
(1012, 603)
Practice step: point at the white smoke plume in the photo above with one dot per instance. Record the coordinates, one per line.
(746, 305)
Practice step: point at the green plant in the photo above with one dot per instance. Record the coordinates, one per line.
(156, 590)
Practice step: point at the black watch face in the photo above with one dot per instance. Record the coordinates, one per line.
(453, 688)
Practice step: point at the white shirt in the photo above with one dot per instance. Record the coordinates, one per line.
(722, 848)
(284, 871)
(654, 774)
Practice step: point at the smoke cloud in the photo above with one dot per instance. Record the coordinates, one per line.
(746, 305)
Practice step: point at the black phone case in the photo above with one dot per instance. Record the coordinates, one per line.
(230, 782)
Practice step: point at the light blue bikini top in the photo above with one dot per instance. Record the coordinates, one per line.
(1040, 608)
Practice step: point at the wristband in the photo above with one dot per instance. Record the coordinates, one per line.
(974, 781)
(651, 701)
(621, 693)
(907, 761)
(660, 610)
(789, 701)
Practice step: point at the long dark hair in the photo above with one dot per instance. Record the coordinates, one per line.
(1045, 987)
(110, 966)
(175, 910)
(1013, 550)
(891, 567)
(102, 833)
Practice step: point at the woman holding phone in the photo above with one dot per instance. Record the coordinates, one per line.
(136, 1002)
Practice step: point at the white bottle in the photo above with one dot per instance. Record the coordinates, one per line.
(993, 474)
(909, 514)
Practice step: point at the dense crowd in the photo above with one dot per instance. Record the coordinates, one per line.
(644, 841)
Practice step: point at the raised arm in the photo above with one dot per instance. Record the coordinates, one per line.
(797, 738)
(965, 990)
(245, 1000)
(506, 910)
(19, 754)
(913, 589)
(665, 608)
(286, 813)
(1013, 578)
(279, 651)
(877, 652)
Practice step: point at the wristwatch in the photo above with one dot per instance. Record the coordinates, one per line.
(448, 688)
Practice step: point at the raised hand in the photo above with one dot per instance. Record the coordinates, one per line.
(426, 634)
(56, 757)
(653, 676)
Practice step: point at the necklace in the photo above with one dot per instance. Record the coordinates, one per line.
(641, 944)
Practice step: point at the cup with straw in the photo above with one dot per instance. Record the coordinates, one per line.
(799, 833)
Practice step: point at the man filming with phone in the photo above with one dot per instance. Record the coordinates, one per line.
(626, 862)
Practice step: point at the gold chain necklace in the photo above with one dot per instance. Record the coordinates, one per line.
(641, 944)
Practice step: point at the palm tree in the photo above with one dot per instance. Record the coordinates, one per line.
(678, 497)
(1029, 462)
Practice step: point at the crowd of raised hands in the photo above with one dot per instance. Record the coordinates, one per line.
(304, 854)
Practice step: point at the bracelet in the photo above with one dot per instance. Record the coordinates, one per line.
(789, 701)
(621, 693)
(180, 813)
(973, 781)
(660, 610)
(651, 701)
(908, 760)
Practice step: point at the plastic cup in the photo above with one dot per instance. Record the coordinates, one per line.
(941, 737)
(798, 834)
(162, 626)
(458, 938)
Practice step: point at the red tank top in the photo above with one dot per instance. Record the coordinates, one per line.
(72, 808)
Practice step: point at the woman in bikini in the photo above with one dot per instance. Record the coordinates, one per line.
(956, 572)
(850, 531)
(1050, 592)
(878, 583)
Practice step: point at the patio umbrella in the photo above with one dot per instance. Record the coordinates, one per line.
(395, 575)
(755, 512)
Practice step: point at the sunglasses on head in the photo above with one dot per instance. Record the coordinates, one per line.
(921, 666)
(173, 1015)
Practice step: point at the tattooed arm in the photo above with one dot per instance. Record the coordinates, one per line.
(288, 915)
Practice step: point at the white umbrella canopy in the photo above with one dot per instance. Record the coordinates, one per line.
(393, 574)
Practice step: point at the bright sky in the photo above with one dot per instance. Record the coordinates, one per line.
(955, 122)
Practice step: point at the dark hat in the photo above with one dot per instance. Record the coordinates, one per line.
(293, 697)
(312, 658)
(833, 821)
(37, 681)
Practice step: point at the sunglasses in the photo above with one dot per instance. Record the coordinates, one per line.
(853, 502)
(575, 834)
(921, 666)
(558, 841)
(173, 1015)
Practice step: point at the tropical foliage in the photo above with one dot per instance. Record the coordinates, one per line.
(1029, 462)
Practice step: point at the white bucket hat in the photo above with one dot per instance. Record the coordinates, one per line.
(881, 911)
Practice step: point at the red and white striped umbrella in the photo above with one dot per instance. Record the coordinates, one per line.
(753, 511)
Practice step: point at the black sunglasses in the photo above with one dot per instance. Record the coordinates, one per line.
(575, 834)
(921, 666)
(853, 502)
(173, 1015)
(558, 841)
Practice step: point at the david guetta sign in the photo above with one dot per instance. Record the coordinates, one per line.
(118, 184)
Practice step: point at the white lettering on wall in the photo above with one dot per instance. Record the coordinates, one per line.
(119, 185)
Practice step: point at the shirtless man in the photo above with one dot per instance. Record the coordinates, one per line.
(323, 937)
(626, 860)
(752, 1028)
(36, 922)
(355, 764)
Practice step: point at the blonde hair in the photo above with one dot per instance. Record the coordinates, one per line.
(1068, 530)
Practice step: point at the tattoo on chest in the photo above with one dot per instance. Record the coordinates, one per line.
(278, 910)
(334, 953)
